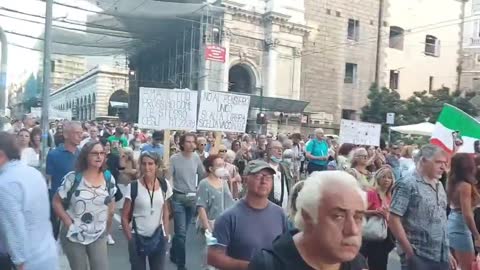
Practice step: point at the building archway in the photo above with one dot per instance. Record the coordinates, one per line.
(118, 104)
(241, 79)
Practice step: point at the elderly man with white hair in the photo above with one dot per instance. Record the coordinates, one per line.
(331, 208)
(418, 217)
(317, 152)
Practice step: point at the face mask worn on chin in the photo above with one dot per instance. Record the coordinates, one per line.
(275, 159)
(221, 172)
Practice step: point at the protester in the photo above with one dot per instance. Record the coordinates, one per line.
(145, 216)
(201, 144)
(393, 159)
(84, 230)
(292, 206)
(317, 152)
(61, 161)
(359, 168)
(378, 200)
(27, 153)
(343, 156)
(250, 225)
(234, 176)
(331, 208)
(260, 148)
(236, 146)
(283, 178)
(213, 197)
(25, 228)
(406, 163)
(93, 136)
(118, 137)
(156, 143)
(418, 214)
(185, 168)
(463, 197)
(127, 171)
(228, 140)
(58, 138)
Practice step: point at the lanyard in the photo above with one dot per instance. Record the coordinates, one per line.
(151, 195)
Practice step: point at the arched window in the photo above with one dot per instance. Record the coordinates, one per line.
(396, 37)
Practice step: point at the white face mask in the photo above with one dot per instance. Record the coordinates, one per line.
(221, 172)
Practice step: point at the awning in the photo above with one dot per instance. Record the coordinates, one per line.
(119, 105)
(423, 129)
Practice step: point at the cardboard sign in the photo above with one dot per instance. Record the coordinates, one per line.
(360, 133)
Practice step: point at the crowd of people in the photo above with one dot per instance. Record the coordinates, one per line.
(257, 201)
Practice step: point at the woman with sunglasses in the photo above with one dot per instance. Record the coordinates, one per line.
(145, 216)
(85, 204)
(359, 168)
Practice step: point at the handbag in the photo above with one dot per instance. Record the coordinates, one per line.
(148, 245)
(375, 229)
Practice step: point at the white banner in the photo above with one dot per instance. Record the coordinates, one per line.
(360, 133)
(221, 111)
(167, 109)
(53, 114)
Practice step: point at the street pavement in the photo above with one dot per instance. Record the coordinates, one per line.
(118, 253)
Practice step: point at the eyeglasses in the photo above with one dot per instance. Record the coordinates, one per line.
(222, 151)
(262, 176)
(99, 154)
(203, 144)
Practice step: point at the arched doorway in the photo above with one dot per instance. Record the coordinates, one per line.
(118, 105)
(241, 79)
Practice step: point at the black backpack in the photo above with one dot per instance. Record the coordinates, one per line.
(134, 193)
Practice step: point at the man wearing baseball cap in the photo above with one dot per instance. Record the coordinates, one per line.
(250, 225)
(156, 144)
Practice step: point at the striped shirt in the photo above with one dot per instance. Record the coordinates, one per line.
(25, 228)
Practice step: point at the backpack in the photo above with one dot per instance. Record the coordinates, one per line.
(78, 178)
(134, 193)
(268, 259)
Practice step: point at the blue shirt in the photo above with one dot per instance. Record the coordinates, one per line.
(319, 149)
(153, 148)
(25, 227)
(60, 161)
(423, 212)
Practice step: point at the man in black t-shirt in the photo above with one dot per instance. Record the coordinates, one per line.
(331, 208)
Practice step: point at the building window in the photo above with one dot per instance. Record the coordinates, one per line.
(353, 31)
(432, 46)
(476, 84)
(396, 38)
(394, 78)
(430, 84)
(350, 73)
(348, 114)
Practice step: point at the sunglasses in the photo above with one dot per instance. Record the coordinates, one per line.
(222, 151)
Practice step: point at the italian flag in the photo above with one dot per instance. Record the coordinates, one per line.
(453, 125)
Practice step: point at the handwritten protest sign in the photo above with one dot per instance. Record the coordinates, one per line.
(223, 112)
(167, 109)
(360, 133)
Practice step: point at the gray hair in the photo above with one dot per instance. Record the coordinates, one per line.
(427, 152)
(68, 125)
(310, 197)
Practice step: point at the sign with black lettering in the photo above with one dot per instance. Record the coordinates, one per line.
(220, 111)
(167, 109)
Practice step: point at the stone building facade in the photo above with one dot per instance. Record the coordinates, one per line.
(339, 58)
(90, 96)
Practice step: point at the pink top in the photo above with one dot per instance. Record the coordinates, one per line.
(374, 200)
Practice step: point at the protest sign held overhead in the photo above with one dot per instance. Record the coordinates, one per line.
(167, 109)
(360, 133)
(221, 111)
(455, 130)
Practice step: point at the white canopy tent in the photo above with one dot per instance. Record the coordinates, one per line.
(423, 129)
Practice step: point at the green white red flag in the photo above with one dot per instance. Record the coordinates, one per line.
(455, 129)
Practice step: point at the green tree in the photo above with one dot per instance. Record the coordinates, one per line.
(381, 102)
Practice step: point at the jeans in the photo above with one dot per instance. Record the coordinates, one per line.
(156, 260)
(183, 211)
(419, 263)
(5, 262)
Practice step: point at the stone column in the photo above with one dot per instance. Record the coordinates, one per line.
(271, 67)
(297, 73)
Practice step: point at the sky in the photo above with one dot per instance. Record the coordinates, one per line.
(22, 62)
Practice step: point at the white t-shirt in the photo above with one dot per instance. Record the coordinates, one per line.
(30, 157)
(88, 208)
(277, 187)
(148, 218)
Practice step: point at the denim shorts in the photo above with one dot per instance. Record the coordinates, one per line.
(459, 234)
